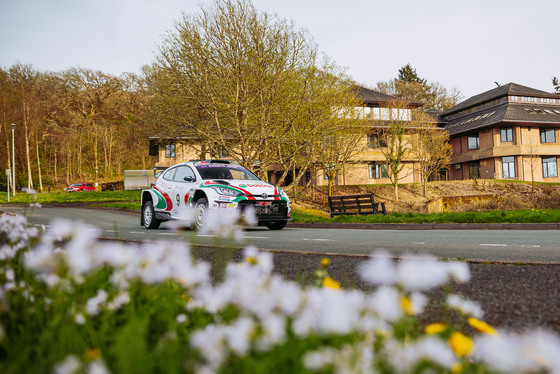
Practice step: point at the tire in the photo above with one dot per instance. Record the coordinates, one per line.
(200, 213)
(149, 216)
(276, 225)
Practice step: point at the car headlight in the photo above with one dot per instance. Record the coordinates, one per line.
(226, 191)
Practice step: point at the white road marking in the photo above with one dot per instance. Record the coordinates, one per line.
(206, 235)
(418, 242)
(168, 233)
(319, 240)
(511, 245)
(134, 232)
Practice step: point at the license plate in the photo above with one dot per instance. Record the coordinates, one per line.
(266, 209)
(262, 203)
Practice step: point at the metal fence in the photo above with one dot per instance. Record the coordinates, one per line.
(138, 179)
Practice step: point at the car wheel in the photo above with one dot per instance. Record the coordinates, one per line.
(149, 216)
(200, 212)
(276, 225)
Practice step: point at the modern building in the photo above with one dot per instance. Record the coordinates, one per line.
(509, 132)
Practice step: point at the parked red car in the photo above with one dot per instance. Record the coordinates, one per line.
(74, 187)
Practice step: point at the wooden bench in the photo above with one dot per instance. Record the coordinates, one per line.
(355, 205)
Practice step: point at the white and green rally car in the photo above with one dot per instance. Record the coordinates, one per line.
(212, 184)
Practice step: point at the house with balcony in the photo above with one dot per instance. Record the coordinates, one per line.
(509, 132)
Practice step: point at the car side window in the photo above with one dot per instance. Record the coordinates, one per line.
(182, 173)
(168, 175)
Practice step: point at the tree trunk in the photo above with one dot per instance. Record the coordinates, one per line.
(55, 165)
(39, 165)
(27, 152)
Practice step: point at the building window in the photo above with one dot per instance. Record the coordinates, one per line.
(550, 168)
(474, 169)
(170, 150)
(377, 171)
(375, 141)
(506, 134)
(508, 167)
(548, 136)
(473, 142)
(220, 153)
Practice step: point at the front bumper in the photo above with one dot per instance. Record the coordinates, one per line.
(266, 210)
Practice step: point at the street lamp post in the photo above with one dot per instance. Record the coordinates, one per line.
(13, 160)
(96, 184)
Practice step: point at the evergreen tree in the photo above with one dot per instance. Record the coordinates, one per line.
(408, 74)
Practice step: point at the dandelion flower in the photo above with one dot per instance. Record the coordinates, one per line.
(406, 305)
(435, 328)
(325, 262)
(461, 344)
(481, 326)
(328, 282)
(92, 354)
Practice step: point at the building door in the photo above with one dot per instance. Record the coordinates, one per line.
(508, 167)
(474, 169)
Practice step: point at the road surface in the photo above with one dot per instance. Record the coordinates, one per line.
(519, 246)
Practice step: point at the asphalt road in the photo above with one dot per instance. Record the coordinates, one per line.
(518, 246)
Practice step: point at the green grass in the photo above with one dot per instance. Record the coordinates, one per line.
(130, 200)
(495, 216)
(71, 197)
(133, 205)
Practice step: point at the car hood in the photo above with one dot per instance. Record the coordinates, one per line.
(248, 187)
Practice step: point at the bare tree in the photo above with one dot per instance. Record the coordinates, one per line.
(395, 127)
(432, 149)
(242, 80)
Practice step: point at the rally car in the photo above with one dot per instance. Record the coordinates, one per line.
(212, 184)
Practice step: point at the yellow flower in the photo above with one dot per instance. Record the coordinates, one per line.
(325, 262)
(435, 328)
(482, 326)
(461, 344)
(251, 260)
(457, 368)
(331, 283)
(92, 354)
(406, 305)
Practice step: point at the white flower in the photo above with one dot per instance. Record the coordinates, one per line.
(405, 357)
(425, 272)
(93, 304)
(80, 319)
(385, 301)
(465, 306)
(181, 318)
(378, 270)
(274, 331)
(97, 367)
(70, 365)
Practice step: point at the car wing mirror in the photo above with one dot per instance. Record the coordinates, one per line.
(189, 179)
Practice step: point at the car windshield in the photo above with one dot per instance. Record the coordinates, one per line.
(76, 185)
(216, 171)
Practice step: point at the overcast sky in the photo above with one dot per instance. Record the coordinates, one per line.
(467, 44)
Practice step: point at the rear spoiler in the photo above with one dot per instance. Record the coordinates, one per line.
(158, 170)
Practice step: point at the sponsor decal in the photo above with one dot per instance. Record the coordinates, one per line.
(164, 201)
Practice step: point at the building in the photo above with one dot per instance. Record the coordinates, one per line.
(509, 132)
(369, 165)
(366, 167)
